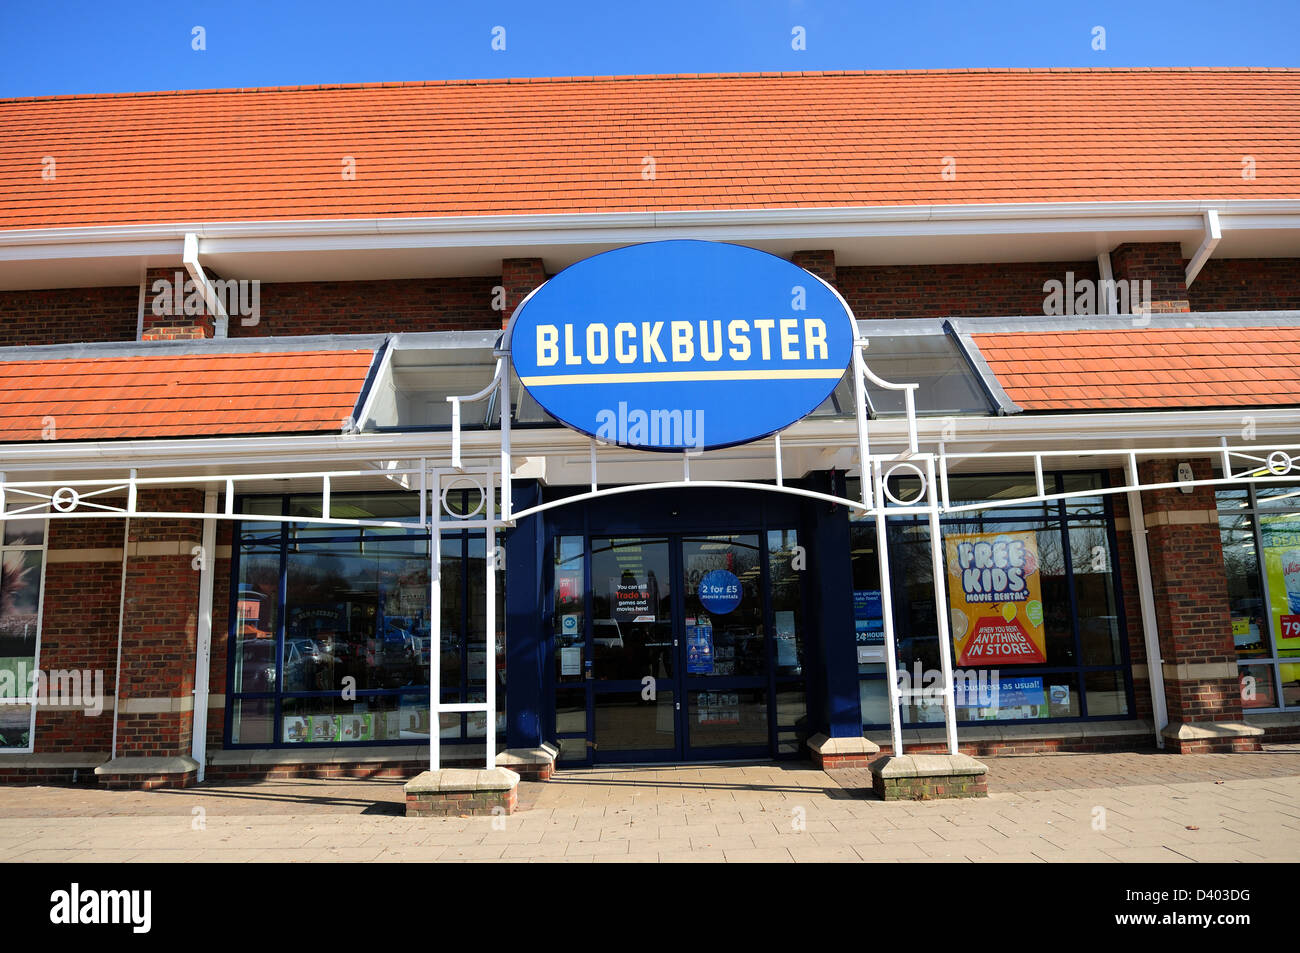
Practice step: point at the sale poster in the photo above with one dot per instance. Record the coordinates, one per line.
(995, 599)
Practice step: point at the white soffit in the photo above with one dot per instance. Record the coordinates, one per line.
(355, 249)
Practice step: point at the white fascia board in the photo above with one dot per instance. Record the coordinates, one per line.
(1103, 431)
(624, 227)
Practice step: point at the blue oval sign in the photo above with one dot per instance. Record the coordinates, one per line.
(719, 591)
(681, 345)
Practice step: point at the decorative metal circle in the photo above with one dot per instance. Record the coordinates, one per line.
(904, 466)
(65, 499)
(459, 482)
(1280, 463)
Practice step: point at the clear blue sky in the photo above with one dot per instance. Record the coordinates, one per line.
(90, 47)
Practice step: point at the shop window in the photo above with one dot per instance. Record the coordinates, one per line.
(1067, 629)
(331, 634)
(1259, 527)
(22, 563)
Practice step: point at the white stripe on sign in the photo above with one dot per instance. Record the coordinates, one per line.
(654, 377)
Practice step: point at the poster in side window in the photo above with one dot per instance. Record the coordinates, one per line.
(1281, 535)
(994, 599)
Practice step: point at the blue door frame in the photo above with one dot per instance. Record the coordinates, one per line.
(829, 670)
(682, 683)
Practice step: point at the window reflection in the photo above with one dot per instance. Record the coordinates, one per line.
(335, 647)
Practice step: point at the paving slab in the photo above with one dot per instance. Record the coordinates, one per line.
(1153, 806)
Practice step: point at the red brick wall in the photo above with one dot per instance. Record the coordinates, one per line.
(79, 630)
(1191, 595)
(68, 315)
(939, 291)
(160, 625)
(1247, 284)
(1162, 264)
(519, 277)
(361, 307)
(75, 315)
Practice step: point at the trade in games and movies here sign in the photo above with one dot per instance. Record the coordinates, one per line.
(995, 601)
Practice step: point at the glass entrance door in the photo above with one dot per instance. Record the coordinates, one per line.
(632, 646)
(725, 675)
(676, 647)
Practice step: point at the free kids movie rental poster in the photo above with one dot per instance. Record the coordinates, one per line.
(995, 601)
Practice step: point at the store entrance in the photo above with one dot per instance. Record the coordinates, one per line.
(685, 657)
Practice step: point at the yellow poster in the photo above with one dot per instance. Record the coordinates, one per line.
(994, 598)
(1281, 535)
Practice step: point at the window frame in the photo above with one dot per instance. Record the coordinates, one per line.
(31, 701)
(449, 694)
(1273, 661)
(1055, 516)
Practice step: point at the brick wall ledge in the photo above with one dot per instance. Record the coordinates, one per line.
(1070, 731)
(147, 765)
(1202, 730)
(70, 760)
(341, 754)
(922, 777)
(1274, 719)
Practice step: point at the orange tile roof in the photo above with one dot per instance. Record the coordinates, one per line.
(1147, 368)
(771, 140)
(191, 395)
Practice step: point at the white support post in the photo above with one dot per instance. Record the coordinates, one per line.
(1038, 474)
(325, 497)
(860, 408)
(941, 609)
(507, 466)
(435, 622)
(490, 587)
(1147, 602)
(943, 474)
(909, 401)
(424, 492)
(131, 494)
(592, 452)
(887, 610)
(455, 432)
(686, 466)
(203, 639)
(1107, 302)
(780, 478)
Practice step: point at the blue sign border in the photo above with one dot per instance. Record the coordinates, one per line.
(754, 286)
